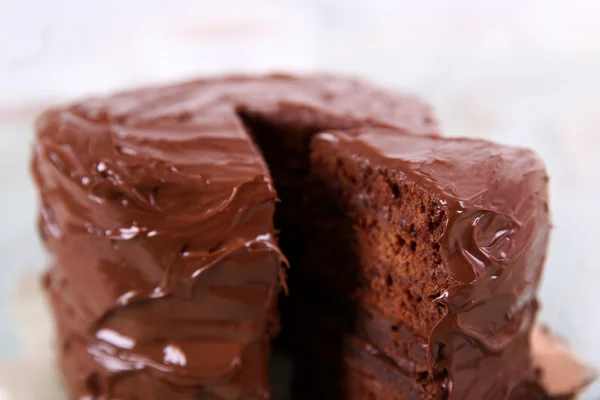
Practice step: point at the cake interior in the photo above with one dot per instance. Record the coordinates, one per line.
(365, 268)
(391, 228)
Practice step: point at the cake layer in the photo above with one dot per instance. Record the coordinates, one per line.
(400, 346)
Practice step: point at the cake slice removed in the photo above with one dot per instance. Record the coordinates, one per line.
(425, 259)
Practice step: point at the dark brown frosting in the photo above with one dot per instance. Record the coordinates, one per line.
(157, 210)
(494, 241)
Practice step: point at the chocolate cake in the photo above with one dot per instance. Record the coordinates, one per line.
(172, 213)
(157, 210)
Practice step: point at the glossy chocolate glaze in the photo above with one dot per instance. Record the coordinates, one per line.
(494, 243)
(157, 210)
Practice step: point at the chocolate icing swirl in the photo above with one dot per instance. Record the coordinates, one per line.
(157, 210)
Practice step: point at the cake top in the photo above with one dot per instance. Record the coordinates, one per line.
(332, 96)
(190, 138)
(494, 239)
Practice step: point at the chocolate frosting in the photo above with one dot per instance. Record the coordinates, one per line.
(157, 210)
(494, 241)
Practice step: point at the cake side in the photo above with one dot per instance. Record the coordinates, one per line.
(450, 238)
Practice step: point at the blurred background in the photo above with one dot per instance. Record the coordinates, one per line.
(524, 72)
